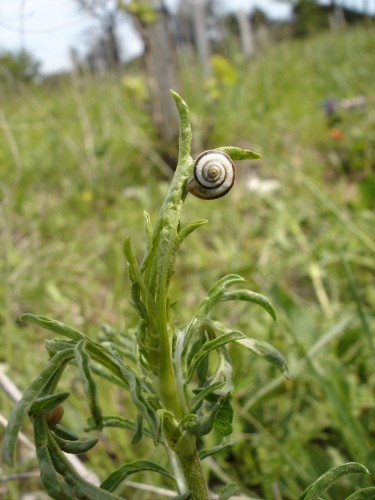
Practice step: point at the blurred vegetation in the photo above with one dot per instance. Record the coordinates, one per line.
(19, 66)
(77, 169)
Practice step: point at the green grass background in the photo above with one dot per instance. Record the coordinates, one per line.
(77, 169)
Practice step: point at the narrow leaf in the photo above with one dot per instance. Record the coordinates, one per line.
(224, 417)
(75, 447)
(267, 351)
(216, 449)
(46, 403)
(238, 153)
(230, 336)
(364, 494)
(53, 326)
(114, 479)
(64, 432)
(216, 291)
(324, 482)
(24, 404)
(188, 229)
(83, 362)
(249, 296)
(202, 395)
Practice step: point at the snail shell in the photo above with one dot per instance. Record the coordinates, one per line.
(214, 174)
(54, 416)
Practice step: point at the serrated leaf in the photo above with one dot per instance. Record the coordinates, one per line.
(24, 404)
(249, 296)
(267, 351)
(238, 153)
(46, 403)
(324, 482)
(363, 494)
(230, 336)
(114, 479)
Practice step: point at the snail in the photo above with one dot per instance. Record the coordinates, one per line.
(214, 174)
(54, 416)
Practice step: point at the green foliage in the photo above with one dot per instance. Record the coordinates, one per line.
(18, 67)
(168, 360)
(84, 168)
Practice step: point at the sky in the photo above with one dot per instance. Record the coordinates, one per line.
(49, 28)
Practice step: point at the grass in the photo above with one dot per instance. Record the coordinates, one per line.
(76, 173)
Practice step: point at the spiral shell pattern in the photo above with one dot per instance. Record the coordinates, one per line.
(214, 174)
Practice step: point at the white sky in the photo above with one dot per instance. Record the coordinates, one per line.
(48, 28)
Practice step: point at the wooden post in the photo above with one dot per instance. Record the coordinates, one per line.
(246, 35)
(199, 11)
(161, 66)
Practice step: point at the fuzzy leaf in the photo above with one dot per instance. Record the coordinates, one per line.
(215, 293)
(224, 417)
(75, 447)
(53, 326)
(46, 403)
(83, 362)
(364, 494)
(267, 351)
(64, 433)
(324, 482)
(227, 337)
(188, 229)
(238, 153)
(114, 479)
(212, 451)
(249, 296)
(202, 394)
(29, 396)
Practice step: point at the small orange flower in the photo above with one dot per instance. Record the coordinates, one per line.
(336, 134)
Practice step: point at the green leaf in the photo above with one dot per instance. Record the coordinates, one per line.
(83, 362)
(227, 337)
(74, 447)
(364, 494)
(216, 449)
(188, 229)
(228, 491)
(215, 293)
(46, 403)
(267, 351)
(148, 228)
(249, 296)
(324, 482)
(213, 296)
(54, 326)
(224, 417)
(114, 479)
(29, 396)
(202, 394)
(238, 153)
(119, 422)
(203, 423)
(65, 433)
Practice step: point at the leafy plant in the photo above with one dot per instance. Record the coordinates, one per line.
(181, 392)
